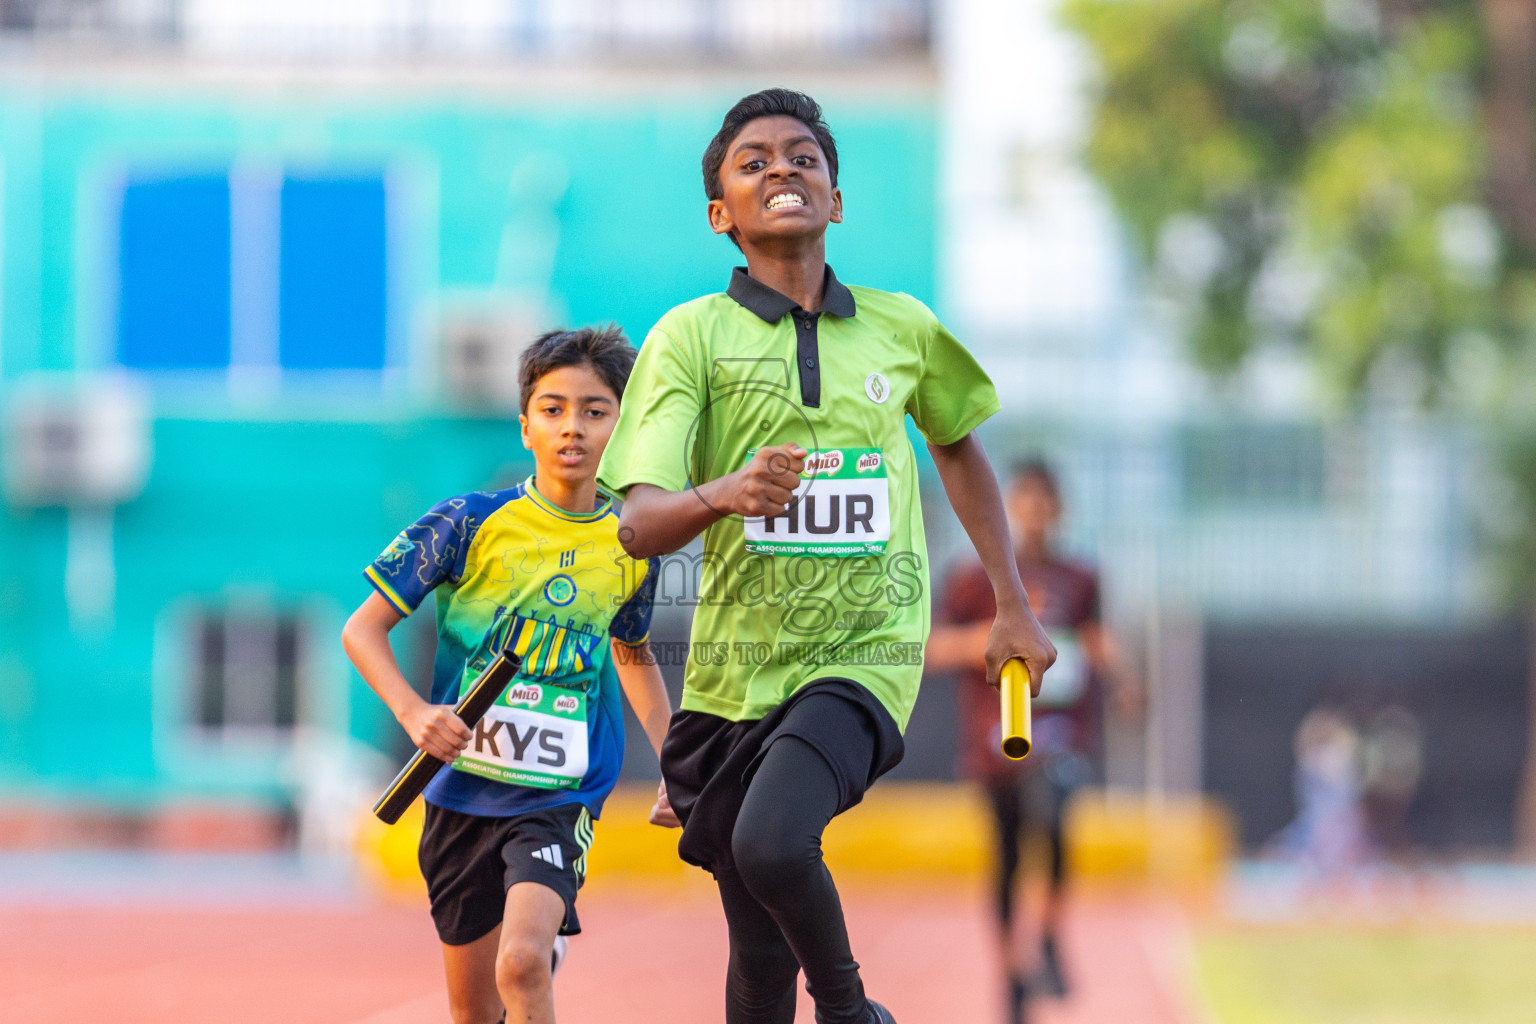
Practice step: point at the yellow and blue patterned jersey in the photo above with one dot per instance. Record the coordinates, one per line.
(493, 557)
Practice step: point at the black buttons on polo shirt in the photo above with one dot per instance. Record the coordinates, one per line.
(806, 349)
(771, 306)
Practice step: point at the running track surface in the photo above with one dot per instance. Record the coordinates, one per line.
(647, 955)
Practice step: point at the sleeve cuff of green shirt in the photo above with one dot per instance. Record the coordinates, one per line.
(970, 421)
(620, 488)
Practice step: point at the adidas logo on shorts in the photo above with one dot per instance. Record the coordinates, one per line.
(551, 855)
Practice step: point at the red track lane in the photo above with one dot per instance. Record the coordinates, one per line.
(646, 957)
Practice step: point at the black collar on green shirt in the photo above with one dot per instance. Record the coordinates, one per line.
(771, 306)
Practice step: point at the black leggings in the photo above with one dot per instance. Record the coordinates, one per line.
(1009, 798)
(781, 907)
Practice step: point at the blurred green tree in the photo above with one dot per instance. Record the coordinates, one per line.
(1352, 178)
(1325, 173)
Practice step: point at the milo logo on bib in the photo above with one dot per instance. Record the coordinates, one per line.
(822, 463)
(841, 509)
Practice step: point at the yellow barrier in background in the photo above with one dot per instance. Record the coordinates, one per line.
(387, 853)
(903, 830)
(1177, 841)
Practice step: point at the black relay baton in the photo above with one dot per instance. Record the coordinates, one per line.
(422, 768)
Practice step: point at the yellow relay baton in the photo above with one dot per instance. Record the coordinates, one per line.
(1014, 693)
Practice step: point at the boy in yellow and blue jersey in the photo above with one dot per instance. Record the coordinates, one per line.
(504, 847)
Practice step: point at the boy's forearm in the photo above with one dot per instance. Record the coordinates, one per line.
(973, 492)
(370, 651)
(972, 489)
(656, 521)
(952, 647)
(641, 681)
(657, 717)
(660, 521)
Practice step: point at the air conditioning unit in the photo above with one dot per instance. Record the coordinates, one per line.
(77, 445)
(480, 350)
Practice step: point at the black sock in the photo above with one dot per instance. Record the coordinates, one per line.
(1018, 998)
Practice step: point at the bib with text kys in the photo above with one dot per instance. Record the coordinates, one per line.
(534, 735)
(841, 509)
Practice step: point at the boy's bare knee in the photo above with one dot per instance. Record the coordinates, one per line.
(522, 965)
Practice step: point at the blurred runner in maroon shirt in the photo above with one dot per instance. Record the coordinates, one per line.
(1068, 714)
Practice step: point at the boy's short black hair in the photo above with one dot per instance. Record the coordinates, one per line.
(605, 349)
(1035, 469)
(768, 103)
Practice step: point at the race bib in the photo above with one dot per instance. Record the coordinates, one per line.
(1067, 680)
(841, 509)
(534, 735)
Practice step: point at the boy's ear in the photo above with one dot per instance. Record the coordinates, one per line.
(522, 419)
(719, 218)
(837, 206)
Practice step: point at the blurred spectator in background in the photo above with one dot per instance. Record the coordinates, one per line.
(1391, 764)
(1032, 794)
(1328, 834)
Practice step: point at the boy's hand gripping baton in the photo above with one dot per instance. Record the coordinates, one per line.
(1014, 693)
(423, 767)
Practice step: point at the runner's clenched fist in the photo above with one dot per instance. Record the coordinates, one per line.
(766, 484)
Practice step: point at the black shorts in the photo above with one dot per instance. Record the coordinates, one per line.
(709, 761)
(470, 862)
(1038, 791)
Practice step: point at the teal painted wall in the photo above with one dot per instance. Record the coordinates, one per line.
(633, 240)
(281, 502)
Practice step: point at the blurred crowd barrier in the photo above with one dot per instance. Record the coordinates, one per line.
(903, 833)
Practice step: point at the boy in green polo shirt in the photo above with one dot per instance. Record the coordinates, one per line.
(771, 418)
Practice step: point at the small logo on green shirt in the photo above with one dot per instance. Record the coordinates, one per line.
(877, 388)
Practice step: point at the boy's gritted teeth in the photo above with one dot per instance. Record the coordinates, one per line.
(571, 454)
(785, 200)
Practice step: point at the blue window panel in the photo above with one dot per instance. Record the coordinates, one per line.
(332, 279)
(173, 266)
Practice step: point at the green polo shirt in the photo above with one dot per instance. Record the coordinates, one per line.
(839, 585)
